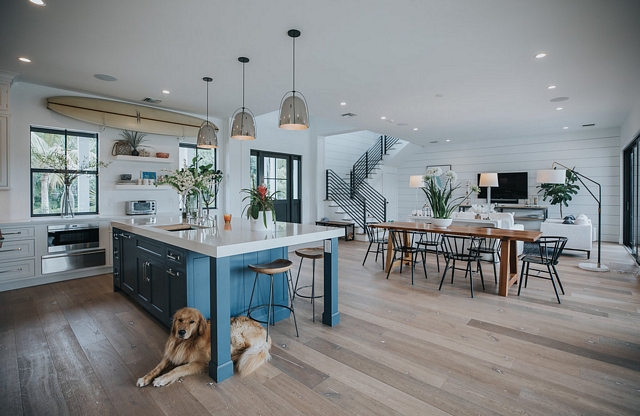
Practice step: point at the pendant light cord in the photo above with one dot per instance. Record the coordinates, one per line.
(207, 102)
(294, 65)
(243, 86)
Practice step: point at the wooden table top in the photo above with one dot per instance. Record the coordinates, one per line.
(501, 233)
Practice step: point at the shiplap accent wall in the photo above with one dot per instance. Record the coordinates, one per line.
(595, 154)
(342, 150)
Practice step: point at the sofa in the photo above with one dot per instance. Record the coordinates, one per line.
(580, 236)
(495, 220)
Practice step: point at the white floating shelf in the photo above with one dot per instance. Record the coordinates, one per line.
(143, 159)
(142, 187)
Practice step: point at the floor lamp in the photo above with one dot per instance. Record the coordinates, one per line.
(558, 176)
(415, 181)
(490, 180)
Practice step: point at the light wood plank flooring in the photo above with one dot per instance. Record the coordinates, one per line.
(77, 348)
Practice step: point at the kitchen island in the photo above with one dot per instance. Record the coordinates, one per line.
(214, 260)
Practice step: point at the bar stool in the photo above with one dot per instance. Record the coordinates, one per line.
(313, 253)
(274, 267)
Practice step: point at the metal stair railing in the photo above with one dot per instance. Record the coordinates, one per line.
(376, 203)
(370, 160)
(342, 194)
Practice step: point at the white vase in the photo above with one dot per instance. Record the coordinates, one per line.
(441, 222)
(258, 224)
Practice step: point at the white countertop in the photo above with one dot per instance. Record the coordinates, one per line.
(225, 241)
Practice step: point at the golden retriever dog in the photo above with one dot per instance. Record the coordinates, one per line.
(188, 349)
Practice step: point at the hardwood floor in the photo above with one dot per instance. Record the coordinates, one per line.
(78, 348)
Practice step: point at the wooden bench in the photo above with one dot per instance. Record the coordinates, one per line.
(348, 226)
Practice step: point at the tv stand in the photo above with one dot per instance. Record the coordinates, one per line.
(531, 216)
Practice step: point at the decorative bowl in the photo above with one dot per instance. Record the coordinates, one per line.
(162, 155)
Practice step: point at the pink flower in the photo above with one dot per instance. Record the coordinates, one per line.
(262, 190)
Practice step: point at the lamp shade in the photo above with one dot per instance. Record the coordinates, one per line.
(293, 112)
(415, 181)
(557, 176)
(489, 179)
(243, 125)
(207, 138)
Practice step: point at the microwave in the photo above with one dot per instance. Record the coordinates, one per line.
(141, 207)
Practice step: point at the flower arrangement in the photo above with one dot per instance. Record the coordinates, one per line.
(259, 200)
(439, 188)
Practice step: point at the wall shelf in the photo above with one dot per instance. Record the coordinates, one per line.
(143, 159)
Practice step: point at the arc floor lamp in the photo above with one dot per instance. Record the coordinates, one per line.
(558, 176)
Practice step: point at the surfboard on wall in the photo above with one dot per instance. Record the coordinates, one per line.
(126, 116)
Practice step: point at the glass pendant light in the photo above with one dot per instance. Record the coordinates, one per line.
(293, 108)
(207, 138)
(243, 124)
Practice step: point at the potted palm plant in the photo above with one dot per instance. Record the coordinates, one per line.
(134, 138)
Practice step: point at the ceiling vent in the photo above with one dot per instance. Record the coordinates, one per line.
(433, 141)
(348, 115)
(151, 100)
(588, 125)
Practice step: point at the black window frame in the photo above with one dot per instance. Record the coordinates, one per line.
(215, 162)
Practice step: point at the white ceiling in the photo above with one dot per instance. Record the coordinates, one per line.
(383, 58)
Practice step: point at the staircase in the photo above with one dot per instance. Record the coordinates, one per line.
(359, 200)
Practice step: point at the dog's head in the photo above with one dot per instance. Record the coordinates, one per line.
(187, 322)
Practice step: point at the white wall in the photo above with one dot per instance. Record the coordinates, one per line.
(28, 107)
(594, 154)
(343, 150)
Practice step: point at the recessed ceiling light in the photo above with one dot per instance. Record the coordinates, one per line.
(541, 55)
(558, 108)
(38, 2)
(415, 128)
(343, 103)
(105, 77)
(23, 59)
(551, 87)
(383, 118)
(448, 140)
(165, 91)
(565, 128)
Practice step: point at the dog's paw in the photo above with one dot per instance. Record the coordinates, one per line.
(141, 382)
(162, 381)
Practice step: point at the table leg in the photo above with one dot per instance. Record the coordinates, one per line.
(389, 258)
(220, 366)
(331, 316)
(508, 266)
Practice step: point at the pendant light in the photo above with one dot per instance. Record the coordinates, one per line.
(243, 123)
(207, 138)
(293, 108)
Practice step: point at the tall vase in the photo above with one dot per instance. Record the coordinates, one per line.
(184, 205)
(259, 225)
(66, 203)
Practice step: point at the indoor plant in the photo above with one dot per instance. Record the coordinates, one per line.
(560, 193)
(134, 138)
(439, 188)
(260, 200)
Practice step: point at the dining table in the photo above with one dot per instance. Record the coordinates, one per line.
(508, 249)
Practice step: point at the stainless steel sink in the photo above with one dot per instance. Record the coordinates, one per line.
(180, 227)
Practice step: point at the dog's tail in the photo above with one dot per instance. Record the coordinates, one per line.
(253, 357)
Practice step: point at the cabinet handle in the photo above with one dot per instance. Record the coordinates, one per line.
(13, 233)
(176, 274)
(12, 249)
(146, 265)
(19, 269)
(116, 274)
(123, 235)
(172, 257)
(148, 251)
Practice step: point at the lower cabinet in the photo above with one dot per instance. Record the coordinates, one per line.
(152, 273)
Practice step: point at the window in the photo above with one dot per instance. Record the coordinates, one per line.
(188, 151)
(57, 155)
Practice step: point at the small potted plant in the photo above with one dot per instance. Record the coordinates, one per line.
(134, 138)
(260, 204)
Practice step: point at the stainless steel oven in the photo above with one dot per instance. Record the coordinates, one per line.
(73, 247)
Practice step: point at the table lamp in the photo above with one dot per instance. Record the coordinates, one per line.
(490, 180)
(415, 181)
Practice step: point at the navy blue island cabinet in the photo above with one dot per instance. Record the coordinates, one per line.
(155, 268)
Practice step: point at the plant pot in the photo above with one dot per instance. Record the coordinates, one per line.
(135, 152)
(258, 224)
(441, 222)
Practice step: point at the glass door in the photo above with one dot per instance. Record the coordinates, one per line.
(631, 189)
(280, 172)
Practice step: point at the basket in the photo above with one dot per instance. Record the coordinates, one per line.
(121, 147)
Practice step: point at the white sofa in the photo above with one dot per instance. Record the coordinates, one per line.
(496, 220)
(580, 237)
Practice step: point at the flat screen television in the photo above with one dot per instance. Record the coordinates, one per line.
(511, 187)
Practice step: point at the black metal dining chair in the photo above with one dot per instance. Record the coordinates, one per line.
(490, 247)
(456, 248)
(548, 251)
(377, 238)
(403, 244)
(432, 243)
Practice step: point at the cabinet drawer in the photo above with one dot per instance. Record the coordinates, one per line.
(13, 250)
(11, 270)
(175, 256)
(150, 247)
(17, 233)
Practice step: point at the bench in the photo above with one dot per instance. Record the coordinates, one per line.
(349, 227)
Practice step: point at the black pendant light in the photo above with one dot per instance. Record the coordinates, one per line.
(243, 123)
(293, 108)
(207, 138)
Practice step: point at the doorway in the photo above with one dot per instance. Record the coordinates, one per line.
(280, 172)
